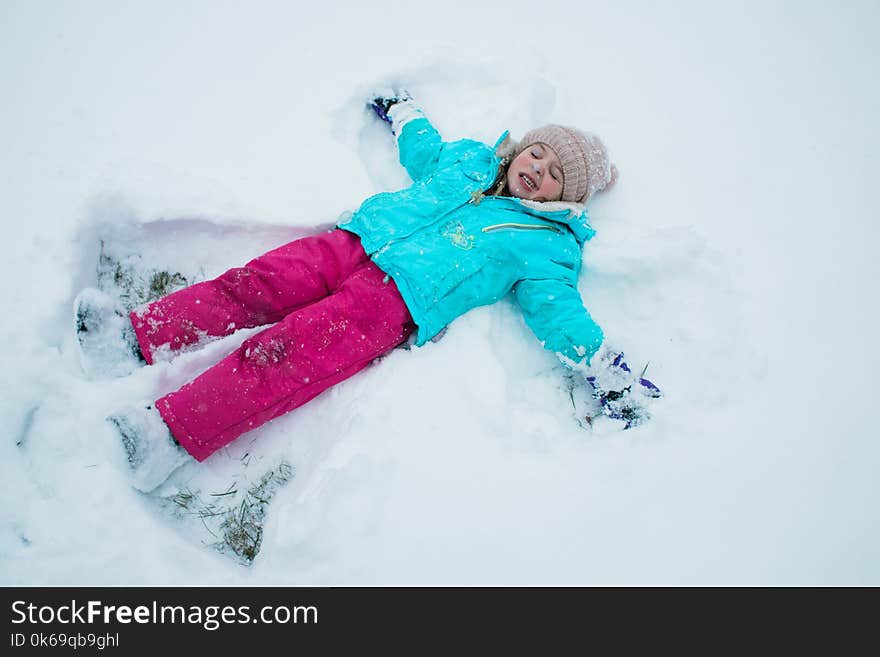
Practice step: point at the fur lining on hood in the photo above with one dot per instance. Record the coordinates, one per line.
(574, 209)
(506, 146)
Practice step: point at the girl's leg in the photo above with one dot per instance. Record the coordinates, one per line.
(262, 292)
(288, 364)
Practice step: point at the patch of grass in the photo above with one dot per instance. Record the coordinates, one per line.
(134, 285)
(242, 528)
(234, 518)
(163, 283)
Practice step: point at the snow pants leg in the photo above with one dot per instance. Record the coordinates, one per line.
(336, 312)
(264, 291)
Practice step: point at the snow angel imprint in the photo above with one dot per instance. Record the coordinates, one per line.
(477, 222)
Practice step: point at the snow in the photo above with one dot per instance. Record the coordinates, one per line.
(733, 254)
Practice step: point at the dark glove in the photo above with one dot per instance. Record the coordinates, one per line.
(624, 396)
(382, 103)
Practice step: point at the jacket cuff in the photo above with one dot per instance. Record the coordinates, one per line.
(402, 113)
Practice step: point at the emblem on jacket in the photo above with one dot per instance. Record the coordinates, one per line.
(454, 231)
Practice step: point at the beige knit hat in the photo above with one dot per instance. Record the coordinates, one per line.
(584, 158)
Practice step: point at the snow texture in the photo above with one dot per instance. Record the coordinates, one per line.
(734, 254)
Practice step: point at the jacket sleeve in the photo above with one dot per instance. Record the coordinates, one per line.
(418, 141)
(555, 312)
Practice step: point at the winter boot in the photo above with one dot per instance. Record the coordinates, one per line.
(107, 342)
(152, 451)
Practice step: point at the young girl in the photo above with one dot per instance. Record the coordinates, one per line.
(476, 223)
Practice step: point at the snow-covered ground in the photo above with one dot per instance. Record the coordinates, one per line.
(734, 254)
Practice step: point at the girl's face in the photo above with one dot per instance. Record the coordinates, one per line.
(535, 174)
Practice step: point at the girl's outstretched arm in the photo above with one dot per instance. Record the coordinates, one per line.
(553, 309)
(418, 142)
(555, 312)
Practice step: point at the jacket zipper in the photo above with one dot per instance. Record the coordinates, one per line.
(487, 229)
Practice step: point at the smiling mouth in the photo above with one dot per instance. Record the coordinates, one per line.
(528, 182)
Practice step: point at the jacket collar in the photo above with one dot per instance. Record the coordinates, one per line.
(573, 215)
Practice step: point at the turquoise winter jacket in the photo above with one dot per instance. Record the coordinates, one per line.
(449, 248)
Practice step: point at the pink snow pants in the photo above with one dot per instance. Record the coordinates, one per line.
(334, 311)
